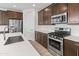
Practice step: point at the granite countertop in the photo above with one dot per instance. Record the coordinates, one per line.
(73, 38)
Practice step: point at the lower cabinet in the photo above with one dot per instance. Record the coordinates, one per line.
(41, 38)
(78, 51)
(71, 48)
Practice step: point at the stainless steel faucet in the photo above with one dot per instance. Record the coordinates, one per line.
(4, 33)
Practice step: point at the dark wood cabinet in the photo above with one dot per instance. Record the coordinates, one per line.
(3, 18)
(44, 16)
(40, 17)
(37, 36)
(6, 15)
(77, 46)
(73, 13)
(60, 8)
(78, 51)
(53, 10)
(41, 38)
(47, 15)
(14, 15)
(44, 40)
(72, 9)
(70, 48)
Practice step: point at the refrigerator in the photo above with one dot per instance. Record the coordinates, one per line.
(15, 25)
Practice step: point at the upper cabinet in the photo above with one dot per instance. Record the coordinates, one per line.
(6, 15)
(3, 18)
(53, 10)
(72, 9)
(73, 13)
(60, 8)
(44, 16)
(40, 17)
(47, 15)
(14, 15)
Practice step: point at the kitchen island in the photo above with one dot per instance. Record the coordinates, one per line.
(23, 48)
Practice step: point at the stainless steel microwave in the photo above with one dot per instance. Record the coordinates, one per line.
(59, 18)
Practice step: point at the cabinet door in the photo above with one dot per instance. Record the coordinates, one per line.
(78, 51)
(14, 15)
(3, 18)
(40, 17)
(60, 8)
(53, 10)
(41, 38)
(69, 48)
(10, 14)
(77, 46)
(0, 18)
(36, 36)
(73, 13)
(45, 40)
(20, 16)
(66, 48)
(73, 50)
(47, 15)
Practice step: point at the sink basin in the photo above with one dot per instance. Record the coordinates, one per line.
(14, 39)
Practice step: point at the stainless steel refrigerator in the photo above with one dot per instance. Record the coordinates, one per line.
(15, 25)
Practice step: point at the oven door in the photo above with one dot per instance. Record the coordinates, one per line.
(55, 45)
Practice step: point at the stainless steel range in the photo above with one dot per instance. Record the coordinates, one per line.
(55, 40)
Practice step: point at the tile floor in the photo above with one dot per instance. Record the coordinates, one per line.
(41, 50)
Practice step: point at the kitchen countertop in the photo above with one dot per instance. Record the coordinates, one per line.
(23, 48)
(45, 31)
(73, 38)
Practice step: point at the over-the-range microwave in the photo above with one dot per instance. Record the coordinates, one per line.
(59, 18)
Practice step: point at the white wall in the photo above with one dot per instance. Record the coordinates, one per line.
(29, 23)
(74, 28)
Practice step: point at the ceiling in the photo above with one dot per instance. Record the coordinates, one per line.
(22, 6)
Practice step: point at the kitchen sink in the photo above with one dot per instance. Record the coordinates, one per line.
(14, 39)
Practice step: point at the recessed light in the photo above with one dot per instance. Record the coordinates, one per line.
(14, 5)
(33, 5)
